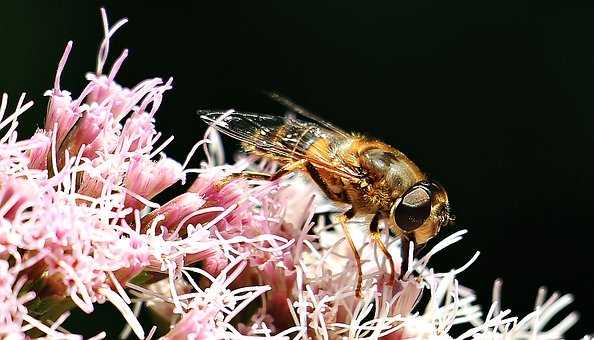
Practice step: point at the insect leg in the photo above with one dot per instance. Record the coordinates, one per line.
(405, 250)
(245, 175)
(342, 219)
(290, 167)
(376, 236)
(313, 172)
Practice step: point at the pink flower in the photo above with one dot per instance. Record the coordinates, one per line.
(94, 129)
(215, 262)
(62, 110)
(12, 304)
(260, 320)
(14, 193)
(99, 173)
(38, 154)
(198, 324)
(282, 282)
(175, 214)
(147, 178)
(139, 131)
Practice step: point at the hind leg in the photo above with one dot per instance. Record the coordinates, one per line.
(242, 175)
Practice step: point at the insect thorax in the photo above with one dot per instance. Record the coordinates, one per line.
(390, 173)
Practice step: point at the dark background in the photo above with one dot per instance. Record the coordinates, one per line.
(495, 100)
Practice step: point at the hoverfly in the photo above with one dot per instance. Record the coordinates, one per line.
(375, 179)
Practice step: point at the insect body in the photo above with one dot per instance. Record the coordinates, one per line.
(376, 180)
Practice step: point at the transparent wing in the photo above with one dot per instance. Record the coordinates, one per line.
(280, 138)
(288, 103)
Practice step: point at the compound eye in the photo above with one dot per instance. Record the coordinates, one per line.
(413, 209)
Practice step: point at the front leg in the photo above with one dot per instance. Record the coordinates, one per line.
(342, 219)
(405, 240)
(376, 236)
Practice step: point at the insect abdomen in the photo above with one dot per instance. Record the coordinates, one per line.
(291, 141)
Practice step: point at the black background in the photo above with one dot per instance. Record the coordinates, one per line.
(493, 99)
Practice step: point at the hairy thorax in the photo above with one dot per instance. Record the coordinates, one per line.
(386, 174)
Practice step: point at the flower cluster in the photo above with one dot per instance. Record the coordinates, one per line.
(230, 258)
